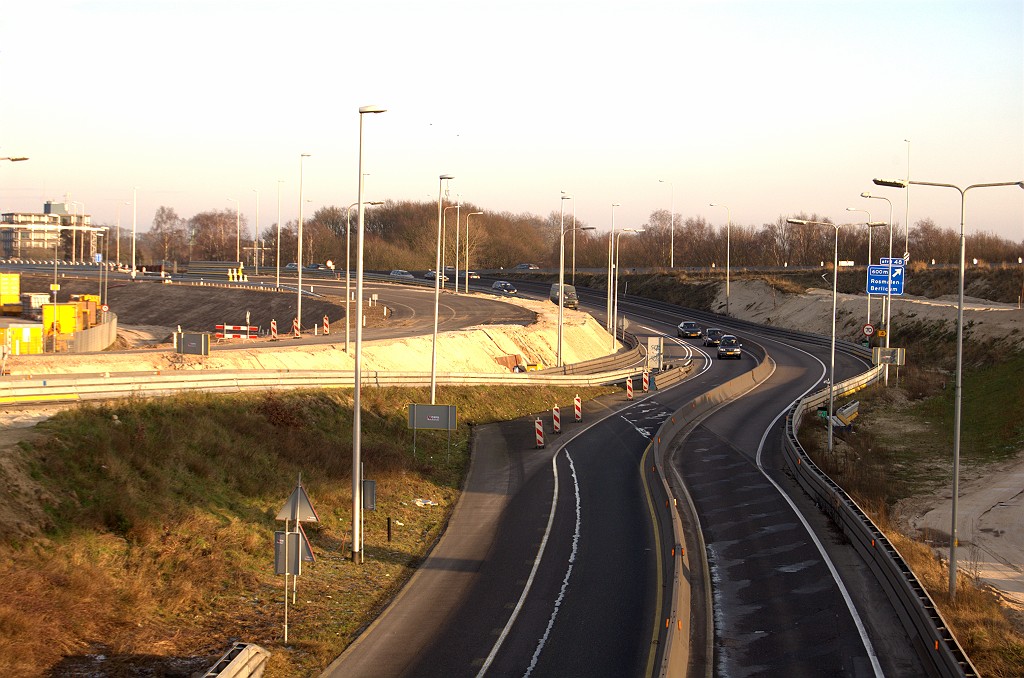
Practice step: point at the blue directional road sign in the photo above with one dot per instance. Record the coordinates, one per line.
(879, 283)
(886, 261)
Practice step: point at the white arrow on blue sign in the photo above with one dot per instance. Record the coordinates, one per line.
(879, 282)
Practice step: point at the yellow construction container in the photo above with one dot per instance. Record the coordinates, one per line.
(67, 315)
(10, 293)
(23, 338)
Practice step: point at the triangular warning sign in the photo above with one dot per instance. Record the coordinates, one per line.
(298, 508)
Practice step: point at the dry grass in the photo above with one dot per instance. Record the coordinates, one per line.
(161, 541)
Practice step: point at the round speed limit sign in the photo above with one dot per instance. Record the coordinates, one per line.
(869, 329)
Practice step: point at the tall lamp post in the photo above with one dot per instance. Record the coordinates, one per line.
(135, 223)
(899, 183)
(348, 266)
(870, 234)
(238, 229)
(467, 250)
(835, 288)
(444, 244)
(256, 237)
(437, 288)
(672, 224)
(615, 306)
(728, 251)
(118, 245)
(888, 292)
(298, 283)
(609, 320)
(277, 281)
(561, 278)
(357, 466)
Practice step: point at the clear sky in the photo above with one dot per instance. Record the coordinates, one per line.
(771, 108)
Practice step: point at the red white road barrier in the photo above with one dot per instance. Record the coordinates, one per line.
(295, 327)
(629, 388)
(273, 330)
(577, 406)
(647, 381)
(327, 325)
(538, 427)
(235, 331)
(556, 420)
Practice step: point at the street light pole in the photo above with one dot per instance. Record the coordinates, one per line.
(277, 282)
(238, 229)
(958, 395)
(437, 288)
(854, 209)
(298, 283)
(135, 222)
(615, 306)
(444, 245)
(728, 248)
(611, 272)
(357, 382)
(561, 273)
(256, 237)
(467, 250)
(672, 224)
(348, 266)
(888, 291)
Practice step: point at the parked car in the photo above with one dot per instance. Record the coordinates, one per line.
(504, 286)
(430, 275)
(526, 267)
(688, 328)
(399, 273)
(712, 336)
(730, 347)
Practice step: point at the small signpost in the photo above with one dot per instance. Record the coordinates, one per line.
(436, 417)
(291, 547)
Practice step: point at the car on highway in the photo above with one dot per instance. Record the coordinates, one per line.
(430, 275)
(291, 267)
(473, 275)
(572, 300)
(399, 273)
(504, 286)
(730, 347)
(712, 336)
(526, 267)
(688, 328)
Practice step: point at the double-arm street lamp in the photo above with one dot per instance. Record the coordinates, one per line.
(357, 381)
(835, 278)
(467, 251)
(888, 292)
(615, 306)
(437, 287)
(728, 250)
(561, 272)
(899, 183)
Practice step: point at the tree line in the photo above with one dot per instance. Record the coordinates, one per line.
(403, 234)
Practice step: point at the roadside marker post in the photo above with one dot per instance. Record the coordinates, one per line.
(538, 427)
(556, 420)
(327, 325)
(577, 406)
(629, 388)
(273, 330)
(647, 381)
(295, 327)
